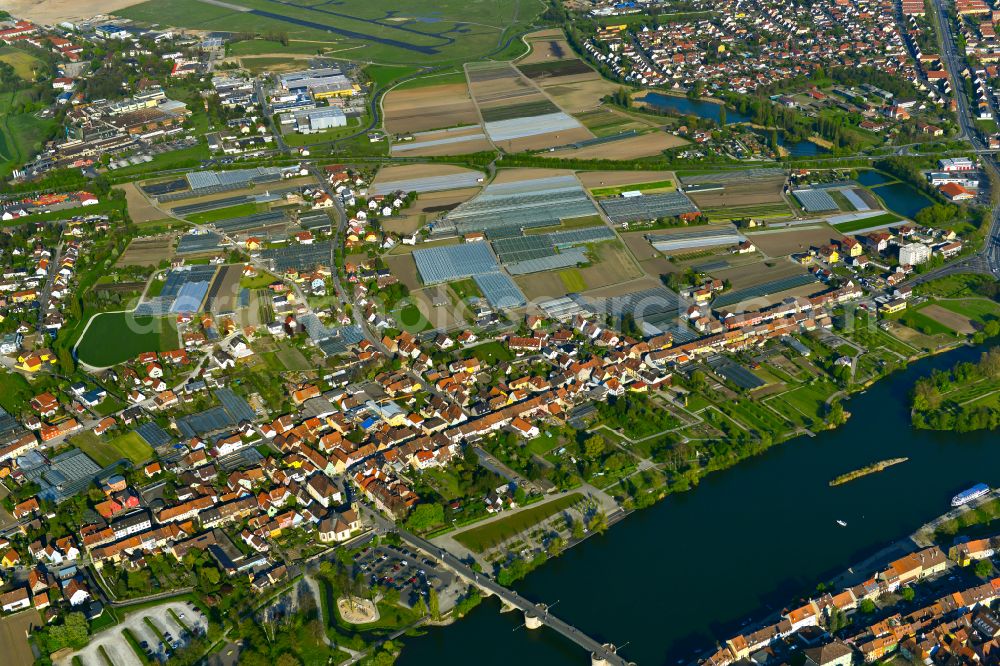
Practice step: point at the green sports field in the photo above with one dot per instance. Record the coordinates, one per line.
(116, 337)
(406, 31)
(487, 536)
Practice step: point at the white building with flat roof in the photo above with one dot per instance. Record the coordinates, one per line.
(912, 254)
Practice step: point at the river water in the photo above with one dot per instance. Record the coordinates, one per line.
(671, 579)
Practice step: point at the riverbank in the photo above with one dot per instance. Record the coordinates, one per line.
(667, 583)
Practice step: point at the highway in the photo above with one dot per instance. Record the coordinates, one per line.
(987, 259)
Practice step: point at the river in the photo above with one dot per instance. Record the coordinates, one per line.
(671, 579)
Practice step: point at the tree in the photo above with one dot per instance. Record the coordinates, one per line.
(867, 606)
(983, 568)
(908, 594)
(433, 604)
(593, 447)
(425, 516)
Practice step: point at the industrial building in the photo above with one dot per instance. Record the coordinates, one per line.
(308, 121)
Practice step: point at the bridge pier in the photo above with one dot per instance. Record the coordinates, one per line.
(598, 660)
(532, 621)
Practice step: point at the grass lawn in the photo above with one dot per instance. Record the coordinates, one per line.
(21, 134)
(259, 282)
(293, 360)
(437, 79)
(116, 337)
(921, 322)
(810, 400)
(466, 289)
(454, 31)
(15, 392)
(492, 352)
(544, 443)
(251, 47)
(486, 536)
(977, 309)
(25, 65)
(175, 159)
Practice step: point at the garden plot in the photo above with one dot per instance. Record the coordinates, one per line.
(779, 243)
(759, 196)
(148, 251)
(429, 107)
(427, 208)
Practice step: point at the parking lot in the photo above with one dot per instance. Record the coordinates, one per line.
(175, 636)
(412, 574)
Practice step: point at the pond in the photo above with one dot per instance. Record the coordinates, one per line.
(902, 198)
(691, 107)
(870, 177)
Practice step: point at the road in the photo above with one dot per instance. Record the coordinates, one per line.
(987, 259)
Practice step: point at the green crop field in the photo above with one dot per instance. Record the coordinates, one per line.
(981, 310)
(116, 337)
(239, 210)
(865, 223)
(128, 445)
(481, 538)
(407, 31)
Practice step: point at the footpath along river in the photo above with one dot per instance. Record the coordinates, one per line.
(671, 579)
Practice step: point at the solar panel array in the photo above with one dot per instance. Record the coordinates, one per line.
(153, 434)
(518, 128)
(760, 290)
(500, 290)
(300, 257)
(196, 243)
(427, 183)
(454, 262)
(814, 201)
(539, 202)
(736, 175)
(204, 206)
(523, 248)
(647, 207)
(571, 257)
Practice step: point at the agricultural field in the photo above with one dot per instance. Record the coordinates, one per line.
(427, 208)
(127, 445)
(546, 46)
(147, 251)
(14, 632)
(409, 110)
(379, 31)
(612, 264)
(628, 148)
(114, 337)
(753, 274)
(518, 116)
(867, 223)
(793, 240)
(139, 207)
(757, 197)
(486, 536)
